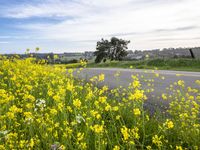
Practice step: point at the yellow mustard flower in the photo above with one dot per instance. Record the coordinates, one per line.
(77, 103)
(137, 111)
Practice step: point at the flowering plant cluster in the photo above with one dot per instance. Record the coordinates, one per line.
(46, 107)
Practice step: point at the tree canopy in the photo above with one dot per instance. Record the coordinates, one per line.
(115, 49)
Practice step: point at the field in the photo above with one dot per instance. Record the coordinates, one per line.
(46, 107)
(179, 64)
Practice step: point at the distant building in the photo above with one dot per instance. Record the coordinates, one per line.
(164, 53)
(196, 52)
(132, 55)
(137, 55)
(88, 55)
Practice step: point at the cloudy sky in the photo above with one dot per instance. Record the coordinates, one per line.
(76, 25)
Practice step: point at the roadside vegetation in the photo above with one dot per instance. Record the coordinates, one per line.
(43, 107)
(181, 64)
(112, 53)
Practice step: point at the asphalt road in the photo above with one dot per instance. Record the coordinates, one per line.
(160, 85)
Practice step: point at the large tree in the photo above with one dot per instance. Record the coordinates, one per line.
(115, 49)
(102, 50)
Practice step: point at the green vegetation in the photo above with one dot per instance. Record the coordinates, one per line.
(115, 49)
(161, 64)
(44, 107)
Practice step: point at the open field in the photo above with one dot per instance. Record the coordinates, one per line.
(160, 64)
(46, 107)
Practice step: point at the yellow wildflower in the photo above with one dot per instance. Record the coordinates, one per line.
(31, 143)
(181, 83)
(97, 128)
(149, 147)
(80, 136)
(108, 107)
(77, 103)
(53, 111)
(116, 147)
(117, 117)
(115, 108)
(101, 77)
(137, 111)
(169, 124)
(164, 97)
(157, 140)
(179, 148)
(125, 133)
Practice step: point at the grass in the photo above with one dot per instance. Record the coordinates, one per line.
(45, 107)
(161, 64)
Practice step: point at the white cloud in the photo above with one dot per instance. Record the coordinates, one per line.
(48, 8)
(3, 42)
(4, 37)
(146, 23)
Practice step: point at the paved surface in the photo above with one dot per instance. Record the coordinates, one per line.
(160, 85)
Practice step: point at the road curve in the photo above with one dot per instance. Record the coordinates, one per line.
(160, 83)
